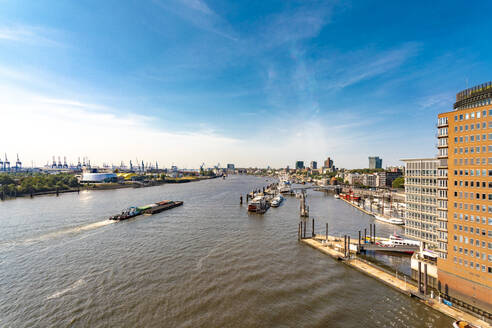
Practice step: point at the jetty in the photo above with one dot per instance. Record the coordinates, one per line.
(345, 251)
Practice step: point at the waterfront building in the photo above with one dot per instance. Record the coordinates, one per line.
(369, 180)
(97, 177)
(354, 178)
(386, 178)
(314, 165)
(465, 198)
(421, 200)
(299, 165)
(230, 166)
(375, 162)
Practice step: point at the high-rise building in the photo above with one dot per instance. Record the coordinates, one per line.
(230, 166)
(314, 165)
(375, 162)
(465, 198)
(328, 163)
(421, 200)
(299, 165)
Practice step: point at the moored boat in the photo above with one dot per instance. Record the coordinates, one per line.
(258, 205)
(277, 201)
(396, 221)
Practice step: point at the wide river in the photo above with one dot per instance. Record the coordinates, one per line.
(206, 264)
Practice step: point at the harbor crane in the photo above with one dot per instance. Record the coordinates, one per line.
(18, 164)
(6, 164)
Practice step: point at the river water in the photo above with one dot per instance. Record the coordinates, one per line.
(206, 264)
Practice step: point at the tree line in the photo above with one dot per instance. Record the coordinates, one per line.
(19, 184)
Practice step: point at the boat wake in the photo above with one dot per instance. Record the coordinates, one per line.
(58, 234)
(79, 283)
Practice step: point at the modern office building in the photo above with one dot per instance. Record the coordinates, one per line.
(328, 163)
(314, 165)
(299, 165)
(465, 198)
(386, 178)
(230, 166)
(421, 200)
(375, 162)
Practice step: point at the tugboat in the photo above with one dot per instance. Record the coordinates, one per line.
(126, 214)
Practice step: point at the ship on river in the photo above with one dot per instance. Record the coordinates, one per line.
(146, 209)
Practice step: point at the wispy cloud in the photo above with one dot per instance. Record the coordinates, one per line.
(436, 101)
(199, 14)
(29, 34)
(294, 25)
(351, 68)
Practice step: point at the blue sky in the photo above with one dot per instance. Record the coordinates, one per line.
(254, 83)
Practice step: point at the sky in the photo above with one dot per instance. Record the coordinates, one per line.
(254, 83)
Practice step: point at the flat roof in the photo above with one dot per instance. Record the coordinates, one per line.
(418, 159)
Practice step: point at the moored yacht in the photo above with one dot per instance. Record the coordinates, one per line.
(277, 201)
(396, 221)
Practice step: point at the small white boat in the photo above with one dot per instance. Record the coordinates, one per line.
(337, 196)
(396, 221)
(277, 201)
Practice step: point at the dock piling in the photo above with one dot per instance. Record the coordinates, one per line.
(327, 232)
(365, 235)
(348, 247)
(358, 249)
(313, 229)
(241, 200)
(304, 223)
(425, 278)
(370, 233)
(420, 277)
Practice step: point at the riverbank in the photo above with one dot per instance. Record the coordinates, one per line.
(110, 186)
(403, 286)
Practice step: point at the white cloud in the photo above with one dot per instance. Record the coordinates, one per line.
(38, 129)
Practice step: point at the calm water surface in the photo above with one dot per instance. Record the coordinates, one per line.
(205, 264)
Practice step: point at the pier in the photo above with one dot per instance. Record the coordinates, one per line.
(337, 248)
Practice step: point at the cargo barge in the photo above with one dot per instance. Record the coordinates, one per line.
(147, 209)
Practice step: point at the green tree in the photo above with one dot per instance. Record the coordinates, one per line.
(399, 182)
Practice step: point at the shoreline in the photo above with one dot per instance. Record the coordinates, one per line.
(406, 287)
(107, 186)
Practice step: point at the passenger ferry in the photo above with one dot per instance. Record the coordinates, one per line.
(396, 240)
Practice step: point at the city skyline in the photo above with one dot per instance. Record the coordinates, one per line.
(257, 84)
